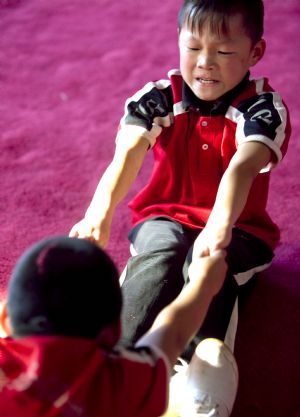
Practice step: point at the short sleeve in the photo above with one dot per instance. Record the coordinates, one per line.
(146, 371)
(264, 118)
(148, 111)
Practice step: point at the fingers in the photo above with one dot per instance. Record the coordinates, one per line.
(78, 230)
(206, 264)
(218, 253)
(82, 230)
(74, 232)
(207, 252)
(81, 234)
(200, 251)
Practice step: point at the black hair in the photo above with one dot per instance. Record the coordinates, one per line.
(63, 286)
(196, 13)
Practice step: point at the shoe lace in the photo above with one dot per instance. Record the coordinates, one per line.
(206, 406)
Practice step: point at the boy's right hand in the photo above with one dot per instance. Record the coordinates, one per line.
(211, 268)
(96, 232)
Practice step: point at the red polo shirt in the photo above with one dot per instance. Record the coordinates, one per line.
(193, 142)
(68, 377)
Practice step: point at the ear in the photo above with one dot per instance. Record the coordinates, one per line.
(5, 327)
(109, 335)
(257, 52)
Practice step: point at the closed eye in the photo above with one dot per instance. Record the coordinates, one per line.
(226, 53)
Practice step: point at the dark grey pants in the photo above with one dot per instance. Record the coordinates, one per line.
(158, 272)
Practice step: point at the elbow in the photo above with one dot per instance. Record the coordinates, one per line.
(244, 170)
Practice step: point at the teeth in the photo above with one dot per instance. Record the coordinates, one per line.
(207, 81)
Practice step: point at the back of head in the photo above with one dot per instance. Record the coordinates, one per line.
(197, 13)
(63, 286)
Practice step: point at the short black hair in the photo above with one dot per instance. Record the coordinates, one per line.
(196, 13)
(63, 286)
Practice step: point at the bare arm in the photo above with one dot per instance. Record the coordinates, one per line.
(112, 188)
(179, 321)
(232, 196)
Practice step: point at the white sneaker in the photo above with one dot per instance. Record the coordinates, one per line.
(207, 387)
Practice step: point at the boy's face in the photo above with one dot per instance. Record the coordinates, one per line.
(212, 64)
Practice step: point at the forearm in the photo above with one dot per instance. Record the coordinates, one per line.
(117, 179)
(232, 195)
(180, 320)
(112, 188)
(237, 180)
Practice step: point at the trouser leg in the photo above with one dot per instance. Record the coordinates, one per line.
(154, 276)
(246, 255)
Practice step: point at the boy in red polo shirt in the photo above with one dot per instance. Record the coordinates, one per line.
(63, 315)
(216, 135)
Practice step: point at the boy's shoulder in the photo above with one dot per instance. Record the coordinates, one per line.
(173, 81)
(255, 89)
(258, 101)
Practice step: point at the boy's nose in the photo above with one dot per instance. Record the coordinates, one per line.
(205, 61)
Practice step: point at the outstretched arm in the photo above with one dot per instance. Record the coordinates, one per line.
(232, 195)
(177, 323)
(112, 188)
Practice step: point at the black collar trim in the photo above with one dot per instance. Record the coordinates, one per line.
(212, 108)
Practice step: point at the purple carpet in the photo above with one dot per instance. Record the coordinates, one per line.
(66, 68)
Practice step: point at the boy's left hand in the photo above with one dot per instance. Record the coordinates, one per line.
(213, 237)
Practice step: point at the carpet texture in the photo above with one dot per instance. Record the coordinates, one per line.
(66, 68)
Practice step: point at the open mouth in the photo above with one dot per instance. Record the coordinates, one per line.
(206, 81)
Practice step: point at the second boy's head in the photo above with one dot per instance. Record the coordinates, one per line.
(219, 40)
(63, 286)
